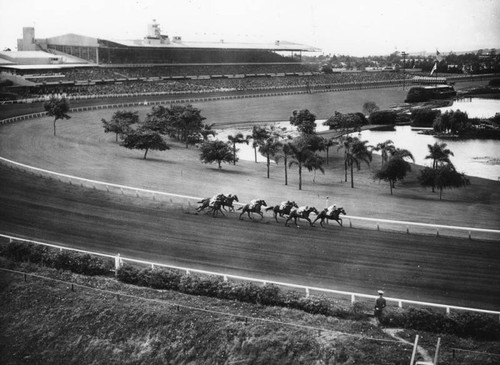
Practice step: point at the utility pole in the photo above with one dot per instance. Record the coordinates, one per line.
(404, 54)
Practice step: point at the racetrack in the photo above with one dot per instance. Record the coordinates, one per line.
(407, 266)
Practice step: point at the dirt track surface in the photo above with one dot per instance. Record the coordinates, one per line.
(406, 266)
(436, 269)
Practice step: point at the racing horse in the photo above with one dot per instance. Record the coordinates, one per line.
(334, 215)
(253, 207)
(303, 213)
(282, 209)
(225, 201)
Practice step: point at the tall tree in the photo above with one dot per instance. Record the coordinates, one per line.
(439, 154)
(206, 131)
(216, 151)
(394, 170)
(238, 138)
(386, 148)
(269, 148)
(120, 123)
(355, 152)
(143, 139)
(303, 156)
(57, 108)
(304, 120)
(444, 177)
(259, 134)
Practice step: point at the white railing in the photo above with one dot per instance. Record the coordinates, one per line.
(119, 260)
(154, 193)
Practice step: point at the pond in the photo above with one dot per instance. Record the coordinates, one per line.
(474, 157)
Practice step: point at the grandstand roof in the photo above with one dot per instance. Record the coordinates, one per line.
(72, 39)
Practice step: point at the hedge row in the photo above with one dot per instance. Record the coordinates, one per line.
(216, 287)
(462, 324)
(76, 262)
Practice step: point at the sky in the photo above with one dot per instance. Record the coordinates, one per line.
(348, 27)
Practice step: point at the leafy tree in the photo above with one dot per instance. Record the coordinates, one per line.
(314, 163)
(144, 139)
(57, 108)
(444, 177)
(238, 138)
(216, 151)
(453, 121)
(427, 178)
(120, 123)
(269, 148)
(394, 170)
(370, 107)
(304, 120)
(190, 124)
(424, 117)
(439, 154)
(259, 134)
(159, 120)
(346, 123)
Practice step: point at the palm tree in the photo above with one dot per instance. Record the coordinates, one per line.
(402, 154)
(238, 138)
(207, 131)
(300, 153)
(269, 148)
(355, 152)
(387, 148)
(439, 154)
(259, 134)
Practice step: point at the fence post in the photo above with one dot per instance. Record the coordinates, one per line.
(307, 292)
(353, 298)
(118, 263)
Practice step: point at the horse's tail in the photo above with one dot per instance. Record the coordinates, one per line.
(269, 208)
(240, 208)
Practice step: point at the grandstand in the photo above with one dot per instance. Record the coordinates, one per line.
(157, 48)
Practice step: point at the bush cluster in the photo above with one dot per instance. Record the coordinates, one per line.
(244, 292)
(388, 117)
(473, 325)
(76, 262)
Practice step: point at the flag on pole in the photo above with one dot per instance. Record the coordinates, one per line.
(434, 68)
(438, 56)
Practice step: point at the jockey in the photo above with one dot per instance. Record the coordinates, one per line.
(302, 209)
(331, 209)
(285, 204)
(218, 197)
(252, 203)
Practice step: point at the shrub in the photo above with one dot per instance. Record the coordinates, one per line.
(424, 117)
(76, 262)
(128, 274)
(383, 117)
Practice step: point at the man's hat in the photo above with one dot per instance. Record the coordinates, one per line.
(380, 292)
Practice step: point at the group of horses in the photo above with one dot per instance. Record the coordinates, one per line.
(288, 210)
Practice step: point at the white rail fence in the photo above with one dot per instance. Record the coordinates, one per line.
(119, 261)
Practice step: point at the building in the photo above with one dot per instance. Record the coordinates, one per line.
(157, 48)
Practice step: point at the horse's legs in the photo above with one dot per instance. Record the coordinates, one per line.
(310, 223)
